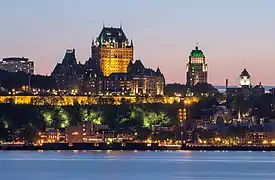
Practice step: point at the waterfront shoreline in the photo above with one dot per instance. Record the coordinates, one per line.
(92, 146)
(131, 147)
(228, 148)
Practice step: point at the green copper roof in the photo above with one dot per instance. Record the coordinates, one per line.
(196, 53)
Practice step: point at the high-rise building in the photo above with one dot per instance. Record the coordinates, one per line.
(196, 68)
(112, 51)
(15, 64)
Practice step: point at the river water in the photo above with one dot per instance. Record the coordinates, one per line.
(118, 165)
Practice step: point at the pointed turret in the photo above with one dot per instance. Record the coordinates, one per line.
(93, 42)
(158, 72)
(132, 44)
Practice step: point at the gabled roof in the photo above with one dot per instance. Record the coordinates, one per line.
(57, 69)
(149, 72)
(139, 64)
(158, 72)
(138, 69)
(259, 86)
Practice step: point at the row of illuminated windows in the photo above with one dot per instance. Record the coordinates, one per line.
(197, 60)
(119, 56)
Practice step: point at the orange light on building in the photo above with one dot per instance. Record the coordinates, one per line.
(114, 55)
(75, 133)
(182, 114)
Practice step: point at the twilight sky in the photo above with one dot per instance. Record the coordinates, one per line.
(233, 34)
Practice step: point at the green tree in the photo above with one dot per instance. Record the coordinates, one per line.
(91, 115)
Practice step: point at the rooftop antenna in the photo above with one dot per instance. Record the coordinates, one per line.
(93, 41)
(29, 87)
(197, 44)
(120, 24)
(245, 64)
(132, 44)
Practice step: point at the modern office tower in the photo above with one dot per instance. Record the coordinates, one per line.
(15, 64)
(112, 51)
(196, 68)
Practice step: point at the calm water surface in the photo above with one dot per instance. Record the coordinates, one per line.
(118, 165)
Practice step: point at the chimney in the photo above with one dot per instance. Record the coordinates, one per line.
(226, 83)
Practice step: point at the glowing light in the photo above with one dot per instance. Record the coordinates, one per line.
(75, 133)
(47, 117)
(93, 116)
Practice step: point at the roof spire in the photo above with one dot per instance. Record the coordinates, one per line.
(158, 72)
(93, 41)
(197, 46)
(103, 24)
(244, 64)
(132, 44)
(120, 24)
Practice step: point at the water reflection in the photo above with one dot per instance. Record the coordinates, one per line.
(137, 165)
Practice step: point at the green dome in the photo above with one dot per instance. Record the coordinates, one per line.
(196, 53)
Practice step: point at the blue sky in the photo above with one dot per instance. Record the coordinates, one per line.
(233, 34)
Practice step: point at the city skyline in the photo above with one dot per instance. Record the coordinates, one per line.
(233, 33)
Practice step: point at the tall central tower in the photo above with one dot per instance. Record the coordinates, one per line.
(112, 50)
(196, 68)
